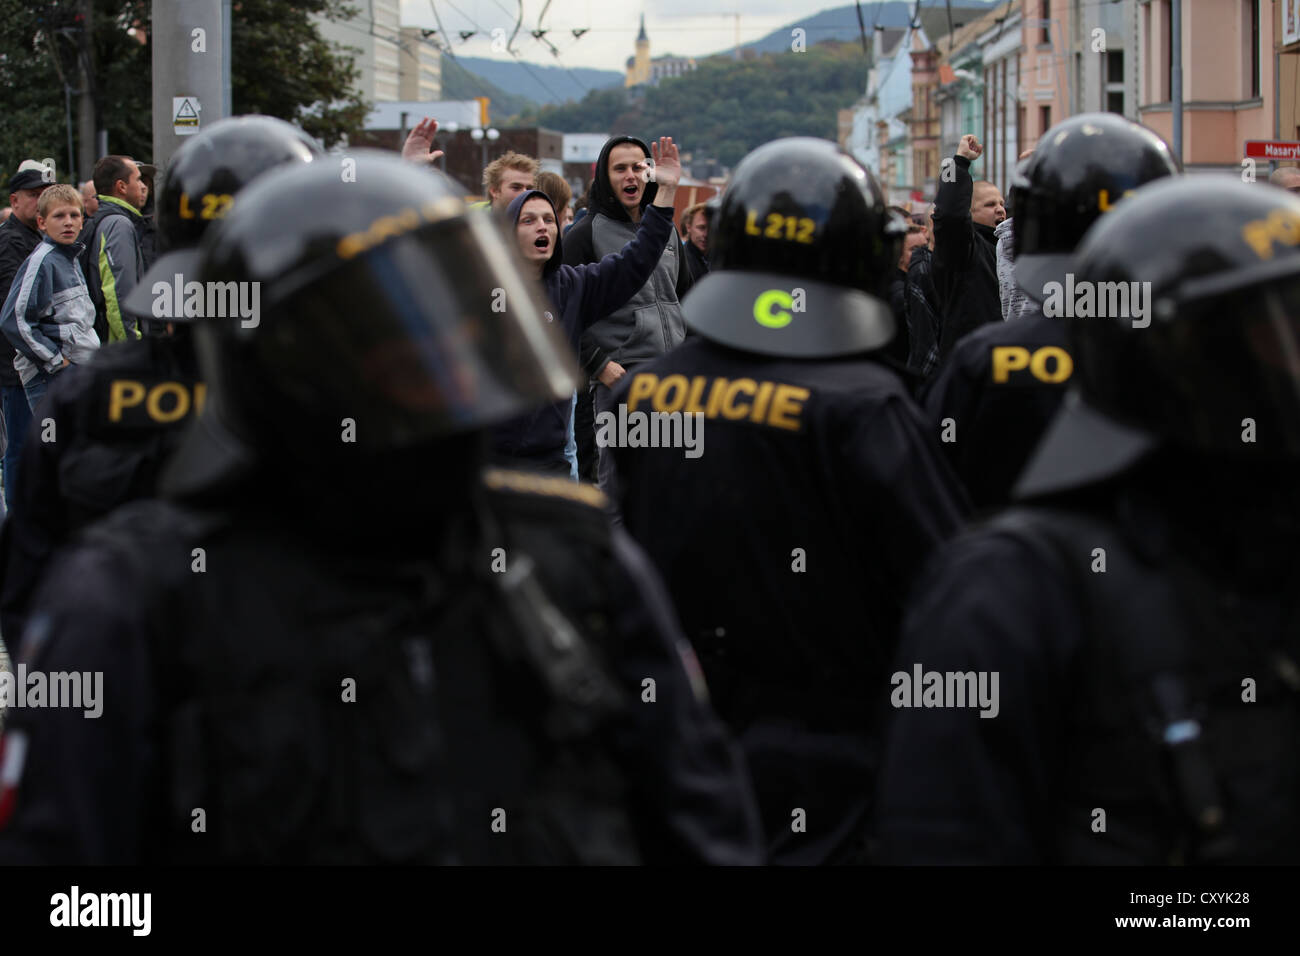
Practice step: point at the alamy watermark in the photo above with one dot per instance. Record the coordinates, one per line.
(80, 690)
(651, 430)
(1098, 300)
(78, 909)
(946, 689)
(179, 299)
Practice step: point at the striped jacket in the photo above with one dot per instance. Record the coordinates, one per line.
(48, 315)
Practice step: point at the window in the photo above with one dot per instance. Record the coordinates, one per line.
(1251, 59)
(1044, 119)
(1113, 82)
(1047, 26)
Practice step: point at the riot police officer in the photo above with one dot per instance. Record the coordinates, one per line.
(996, 392)
(340, 640)
(1139, 601)
(108, 427)
(801, 490)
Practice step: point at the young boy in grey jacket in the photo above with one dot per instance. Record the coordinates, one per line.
(49, 315)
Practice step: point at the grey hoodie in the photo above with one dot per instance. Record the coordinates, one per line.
(651, 322)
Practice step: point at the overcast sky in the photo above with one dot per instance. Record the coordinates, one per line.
(683, 27)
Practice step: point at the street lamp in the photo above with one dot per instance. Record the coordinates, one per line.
(450, 130)
(480, 135)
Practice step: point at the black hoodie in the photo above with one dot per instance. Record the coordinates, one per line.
(651, 323)
(964, 265)
(580, 295)
(17, 240)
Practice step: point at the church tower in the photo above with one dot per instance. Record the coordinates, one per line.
(638, 67)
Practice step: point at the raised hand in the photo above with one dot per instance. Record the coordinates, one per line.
(668, 167)
(969, 147)
(420, 141)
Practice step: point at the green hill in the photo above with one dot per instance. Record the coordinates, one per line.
(459, 83)
(724, 108)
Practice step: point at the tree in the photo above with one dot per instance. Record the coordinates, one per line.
(283, 67)
(32, 121)
(726, 108)
(280, 66)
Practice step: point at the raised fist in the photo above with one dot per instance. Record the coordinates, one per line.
(969, 147)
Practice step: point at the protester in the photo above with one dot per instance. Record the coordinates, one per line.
(965, 273)
(1001, 384)
(113, 259)
(18, 237)
(650, 323)
(582, 295)
(48, 316)
(695, 240)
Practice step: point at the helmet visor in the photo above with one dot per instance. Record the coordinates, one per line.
(1244, 399)
(433, 332)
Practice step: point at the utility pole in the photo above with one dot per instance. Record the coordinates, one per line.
(189, 63)
(1176, 80)
(87, 126)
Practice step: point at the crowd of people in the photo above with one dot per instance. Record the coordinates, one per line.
(988, 556)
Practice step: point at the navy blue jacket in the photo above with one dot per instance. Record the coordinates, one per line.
(582, 295)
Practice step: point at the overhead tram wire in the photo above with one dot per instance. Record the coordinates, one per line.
(401, 43)
(474, 23)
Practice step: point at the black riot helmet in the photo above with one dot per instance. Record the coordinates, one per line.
(1190, 341)
(801, 250)
(385, 315)
(210, 167)
(198, 189)
(1079, 170)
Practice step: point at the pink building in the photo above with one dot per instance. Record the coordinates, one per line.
(1045, 97)
(1228, 82)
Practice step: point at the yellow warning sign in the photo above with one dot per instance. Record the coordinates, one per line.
(185, 115)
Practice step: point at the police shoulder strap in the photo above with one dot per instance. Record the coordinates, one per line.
(1130, 609)
(568, 665)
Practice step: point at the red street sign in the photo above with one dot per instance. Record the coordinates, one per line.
(1264, 149)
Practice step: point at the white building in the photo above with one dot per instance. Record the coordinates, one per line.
(419, 67)
(663, 67)
(583, 147)
(375, 31)
(879, 134)
(404, 114)
(1106, 82)
(1001, 46)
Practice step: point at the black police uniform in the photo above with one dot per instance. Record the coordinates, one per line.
(1138, 606)
(348, 645)
(104, 432)
(114, 422)
(788, 548)
(1001, 384)
(226, 692)
(994, 397)
(1098, 675)
(789, 536)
